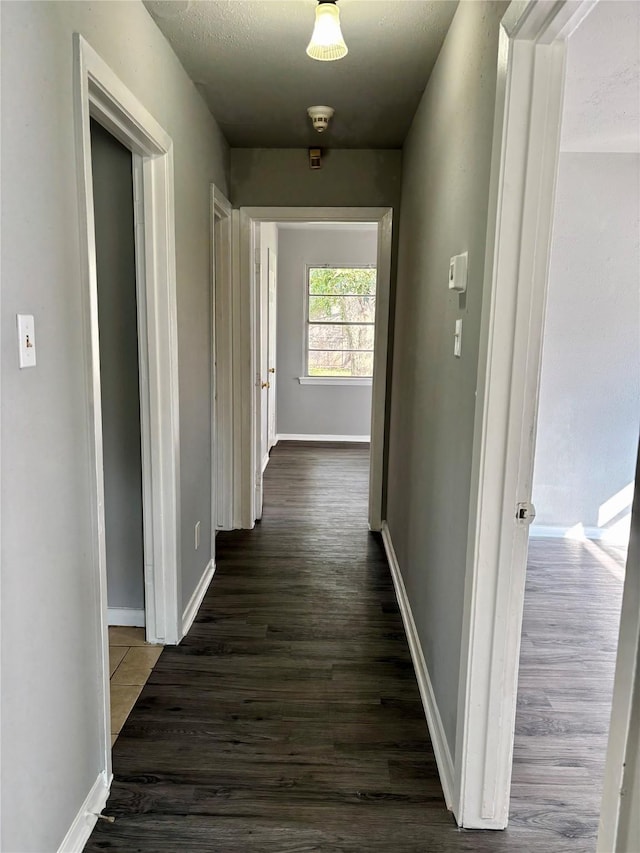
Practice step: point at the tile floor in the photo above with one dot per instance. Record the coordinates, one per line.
(131, 661)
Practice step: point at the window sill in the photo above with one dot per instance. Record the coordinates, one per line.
(334, 380)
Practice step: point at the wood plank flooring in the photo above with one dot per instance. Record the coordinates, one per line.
(567, 662)
(289, 720)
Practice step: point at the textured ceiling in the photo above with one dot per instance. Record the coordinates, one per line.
(248, 59)
(602, 91)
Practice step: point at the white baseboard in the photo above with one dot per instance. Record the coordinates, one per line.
(126, 616)
(195, 601)
(265, 462)
(82, 827)
(304, 437)
(434, 721)
(578, 533)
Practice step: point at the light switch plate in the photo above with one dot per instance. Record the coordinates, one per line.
(458, 272)
(457, 340)
(26, 340)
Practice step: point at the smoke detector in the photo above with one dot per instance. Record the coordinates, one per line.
(320, 117)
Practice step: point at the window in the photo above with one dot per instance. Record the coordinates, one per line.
(341, 309)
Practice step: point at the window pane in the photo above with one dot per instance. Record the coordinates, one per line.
(341, 309)
(342, 281)
(352, 337)
(362, 363)
(332, 363)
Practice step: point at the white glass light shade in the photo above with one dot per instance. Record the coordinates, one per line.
(326, 42)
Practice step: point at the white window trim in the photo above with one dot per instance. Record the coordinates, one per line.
(335, 380)
(304, 378)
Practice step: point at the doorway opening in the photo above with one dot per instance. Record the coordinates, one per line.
(528, 140)
(101, 96)
(587, 434)
(288, 398)
(317, 306)
(124, 478)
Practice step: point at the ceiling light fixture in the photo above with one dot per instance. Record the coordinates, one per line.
(327, 43)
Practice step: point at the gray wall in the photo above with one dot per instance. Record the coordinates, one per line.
(119, 374)
(50, 626)
(348, 178)
(446, 166)
(315, 409)
(590, 385)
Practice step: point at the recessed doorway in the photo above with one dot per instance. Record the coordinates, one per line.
(250, 384)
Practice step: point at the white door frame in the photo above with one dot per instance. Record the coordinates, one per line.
(101, 95)
(530, 86)
(222, 366)
(619, 819)
(247, 398)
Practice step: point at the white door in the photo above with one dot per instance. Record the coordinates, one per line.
(261, 368)
(271, 349)
(263, 455)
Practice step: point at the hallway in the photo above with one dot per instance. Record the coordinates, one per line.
(289, 719)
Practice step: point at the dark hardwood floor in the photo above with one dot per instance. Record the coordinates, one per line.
(289, 720)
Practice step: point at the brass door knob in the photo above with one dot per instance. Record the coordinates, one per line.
(272, 370)
(265, 385)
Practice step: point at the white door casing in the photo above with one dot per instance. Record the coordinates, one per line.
(99, 94)
(619, 830)
(246, 319)
(221, 366)
(530, 83)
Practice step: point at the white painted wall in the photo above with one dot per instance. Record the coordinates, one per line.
(590, 384)
(316, 409)
(51, 718)
(445, 187)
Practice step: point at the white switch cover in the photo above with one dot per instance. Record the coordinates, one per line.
(458, 272)
(26, 340)
(457, 339)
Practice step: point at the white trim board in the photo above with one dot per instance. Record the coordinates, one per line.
(126, 616)
(357, 439)
(434, 721)
(619, 812)
(222, 359)
(336, 380)
(82, 826)
(529, 93)
(100, 94)
(327, 226)
(191, 610)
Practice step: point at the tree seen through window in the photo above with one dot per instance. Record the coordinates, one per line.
(341, 321)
